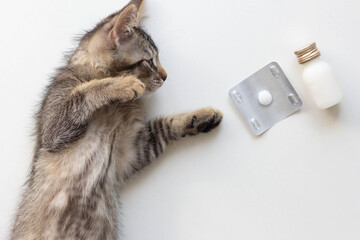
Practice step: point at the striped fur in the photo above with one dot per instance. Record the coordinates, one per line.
(92, 135)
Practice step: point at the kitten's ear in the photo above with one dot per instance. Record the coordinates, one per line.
(123, 23)
(139, 5)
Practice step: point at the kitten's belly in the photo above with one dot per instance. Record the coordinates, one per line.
(78, 188)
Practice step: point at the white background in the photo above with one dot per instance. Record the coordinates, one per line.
(300, 180)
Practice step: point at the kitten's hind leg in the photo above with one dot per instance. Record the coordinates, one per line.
(157, 134)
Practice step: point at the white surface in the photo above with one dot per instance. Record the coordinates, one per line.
(300, 180)
(265, 97)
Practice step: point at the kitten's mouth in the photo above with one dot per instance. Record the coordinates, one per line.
(157, 82)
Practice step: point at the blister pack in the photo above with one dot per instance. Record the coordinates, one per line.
(265, 98)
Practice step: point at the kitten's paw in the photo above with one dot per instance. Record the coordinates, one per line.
(203, 120)
(129, 89)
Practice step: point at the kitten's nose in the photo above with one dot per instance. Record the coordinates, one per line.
(162, 72)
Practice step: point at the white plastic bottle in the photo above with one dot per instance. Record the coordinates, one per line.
(319, 78)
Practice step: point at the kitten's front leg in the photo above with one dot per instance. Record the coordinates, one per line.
(203, 120)
(88, 97)
(157, 134)
(80, 105)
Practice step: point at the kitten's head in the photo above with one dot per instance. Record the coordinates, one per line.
(118, 46)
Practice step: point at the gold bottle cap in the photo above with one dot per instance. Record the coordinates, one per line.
(307, 53)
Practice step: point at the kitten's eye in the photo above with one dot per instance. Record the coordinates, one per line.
(151, 63)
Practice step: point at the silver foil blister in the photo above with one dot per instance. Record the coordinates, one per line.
(283, 100)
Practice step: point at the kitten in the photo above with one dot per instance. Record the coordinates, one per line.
(92, 135)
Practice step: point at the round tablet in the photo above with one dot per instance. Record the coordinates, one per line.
(265, 97)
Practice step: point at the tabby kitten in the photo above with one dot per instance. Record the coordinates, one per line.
(92, 135)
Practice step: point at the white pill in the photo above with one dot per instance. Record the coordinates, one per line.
(265, 97)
